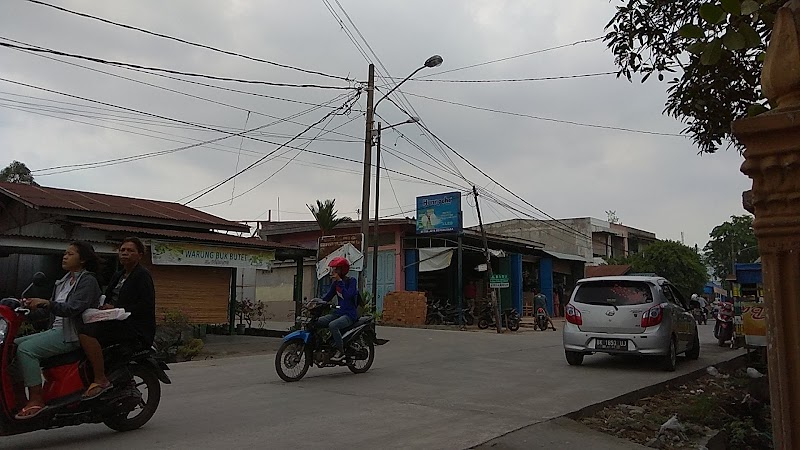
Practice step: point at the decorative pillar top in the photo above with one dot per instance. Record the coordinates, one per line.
(780, 78)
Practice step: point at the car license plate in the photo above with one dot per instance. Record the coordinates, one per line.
(611, 344)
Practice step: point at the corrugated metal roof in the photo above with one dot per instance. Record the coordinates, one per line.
(304, 226)
(79, 201)
(189, 235)
(607, 271)
(565, 256)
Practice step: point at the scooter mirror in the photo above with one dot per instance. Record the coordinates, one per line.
(39, 279)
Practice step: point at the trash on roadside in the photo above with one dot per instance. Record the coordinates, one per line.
(715, 373)
(754, 373)
(671, 425)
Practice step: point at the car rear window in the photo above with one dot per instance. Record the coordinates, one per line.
(617, 293)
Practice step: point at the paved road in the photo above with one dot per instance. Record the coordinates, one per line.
(427, 389)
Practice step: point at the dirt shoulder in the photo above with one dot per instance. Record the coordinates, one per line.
(732, 408)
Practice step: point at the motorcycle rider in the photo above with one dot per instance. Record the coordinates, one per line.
(540, 301)
(345, 288)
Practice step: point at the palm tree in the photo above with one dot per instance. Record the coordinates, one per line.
(325, 215)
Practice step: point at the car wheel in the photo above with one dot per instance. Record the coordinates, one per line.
(574, 358)
(670, 361)
(694, 352)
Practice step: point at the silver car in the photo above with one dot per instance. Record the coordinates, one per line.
(631, 315)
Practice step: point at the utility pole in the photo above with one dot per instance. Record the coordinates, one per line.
(375, 241)
(495, 305)
(367, 169)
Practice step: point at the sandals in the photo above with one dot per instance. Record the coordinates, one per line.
(96, 390)
(29, 412)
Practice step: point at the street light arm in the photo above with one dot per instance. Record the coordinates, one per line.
(396, 86)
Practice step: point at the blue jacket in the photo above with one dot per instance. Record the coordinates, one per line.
(347, 291)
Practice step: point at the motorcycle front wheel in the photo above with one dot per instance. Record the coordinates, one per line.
(292, 360)
(360, 345)
(513, 324)
(144, 380)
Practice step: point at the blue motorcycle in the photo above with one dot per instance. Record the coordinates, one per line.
(313, 344)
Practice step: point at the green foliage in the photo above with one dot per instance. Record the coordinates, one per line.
(672, 260)
(170, 334)
(249, 311)
(325, 215)
(17, 172)
(191, 349)
(733, 240)
(715, 48)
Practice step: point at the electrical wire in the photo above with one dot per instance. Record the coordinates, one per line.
(197, 83)
(161, 69)
(380, 63)
(195, 44)
(510, 80)
(548, 119)
(330, 113)
(582, 41)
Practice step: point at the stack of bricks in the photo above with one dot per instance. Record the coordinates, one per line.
(404, 308)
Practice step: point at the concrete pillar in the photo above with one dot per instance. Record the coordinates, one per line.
(772, 160)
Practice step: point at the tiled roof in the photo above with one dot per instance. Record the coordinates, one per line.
(64, 199)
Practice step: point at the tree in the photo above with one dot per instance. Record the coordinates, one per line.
(17, 172)
(718, 47)
(612, 216)
(325, 215)
(732, 241)
(672, 260)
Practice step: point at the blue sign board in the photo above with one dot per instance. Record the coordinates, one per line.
(439, 213)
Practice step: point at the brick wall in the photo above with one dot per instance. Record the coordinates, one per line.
(404, 308)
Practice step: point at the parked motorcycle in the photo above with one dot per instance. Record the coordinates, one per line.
(510, 318)
(723, 329)
(309, 345)
(541, 320)
(128, 405)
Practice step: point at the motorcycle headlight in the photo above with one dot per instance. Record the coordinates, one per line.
(3, 330)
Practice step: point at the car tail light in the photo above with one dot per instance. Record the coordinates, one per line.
(653, 316)
(573, 315)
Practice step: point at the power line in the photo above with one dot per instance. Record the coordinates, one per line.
(161, 69)
(377, 58)
(230, 134)
(198, 83)
(197, 96)
(329, 114)
(548, 119)
(496, 182)
(512, 80)
(195, 44)
(582, 41)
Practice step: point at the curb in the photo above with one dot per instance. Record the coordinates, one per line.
(630, 397)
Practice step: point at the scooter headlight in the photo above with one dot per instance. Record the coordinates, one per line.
(3, 330)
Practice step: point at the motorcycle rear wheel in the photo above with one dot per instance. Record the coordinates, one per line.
(483, 324)
(293, 353)
(361, 366)
(513, 324)
(142, 376)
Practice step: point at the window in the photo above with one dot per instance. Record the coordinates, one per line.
(619, 293)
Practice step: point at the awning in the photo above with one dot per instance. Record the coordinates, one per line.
(565, 256)
(434, 258)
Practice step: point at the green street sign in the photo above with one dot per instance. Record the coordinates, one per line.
(498, 281)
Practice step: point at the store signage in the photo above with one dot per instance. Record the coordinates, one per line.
(189, 254)
(439, 213)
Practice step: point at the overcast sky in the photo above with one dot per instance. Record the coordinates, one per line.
(653, 182)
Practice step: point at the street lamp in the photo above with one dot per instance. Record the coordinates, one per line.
(377, 199)
(433, 61)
